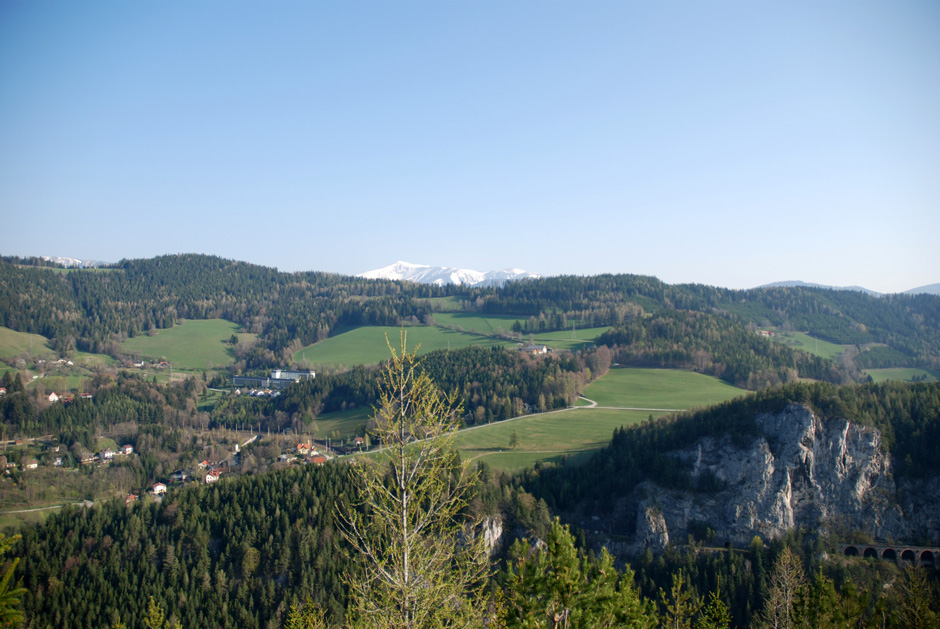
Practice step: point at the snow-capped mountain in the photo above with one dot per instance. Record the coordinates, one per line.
(440, 275)
(74, 262)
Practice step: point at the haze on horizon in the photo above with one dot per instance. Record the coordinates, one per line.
(722, 143)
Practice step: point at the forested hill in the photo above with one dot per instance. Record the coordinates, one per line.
(907, 415)
(94, 308)
(908, 323)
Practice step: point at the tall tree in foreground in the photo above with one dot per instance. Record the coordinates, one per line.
(424, 564)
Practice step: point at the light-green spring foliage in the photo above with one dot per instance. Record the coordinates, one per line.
(423, 564)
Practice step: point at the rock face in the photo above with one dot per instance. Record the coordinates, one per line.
(803, 472)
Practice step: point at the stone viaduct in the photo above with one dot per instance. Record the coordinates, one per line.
(897, 553)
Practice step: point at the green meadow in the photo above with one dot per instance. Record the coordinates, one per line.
(470, 322)
(13, 344)
(574, 433)
(805, 342)
(658, 388)
(903, 373)
(570, 340)
(191, 345)
(570, 434)
(445, 304)
(341, 424)
(366, 345)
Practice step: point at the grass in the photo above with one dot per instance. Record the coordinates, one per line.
(341, 424)
(191, 345)
(366, 345)
(658, 388)
(489, 324)
(10, 523)
(805, 342)
(571, 434)
(445, 304)
(563, 340)
(903, 373)
(13, 344)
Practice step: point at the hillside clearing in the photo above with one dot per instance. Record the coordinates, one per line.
(366, 345)
(195, 345)
(658, 388)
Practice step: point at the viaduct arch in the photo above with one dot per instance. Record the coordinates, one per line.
(917, 555)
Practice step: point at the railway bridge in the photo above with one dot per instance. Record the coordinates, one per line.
(898, 553)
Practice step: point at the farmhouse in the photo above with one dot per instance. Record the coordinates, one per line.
(158, 488)
(535, 349)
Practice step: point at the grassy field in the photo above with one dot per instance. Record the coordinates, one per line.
(575, 433)
(658, 388)
(341, 424)
(805, 342)
(13, 343)
(489, 324)
(445, 304)
(902, 373)
(572, 433)
(190, 345)
(366, 345)
(568, 340)
(10, 523)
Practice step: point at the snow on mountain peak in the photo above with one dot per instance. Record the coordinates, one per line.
(441, 275)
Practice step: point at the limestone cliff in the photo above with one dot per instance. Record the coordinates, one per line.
(803, 470)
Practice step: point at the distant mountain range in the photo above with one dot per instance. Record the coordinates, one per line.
(74, 262)
(441, 275)
(930, 289)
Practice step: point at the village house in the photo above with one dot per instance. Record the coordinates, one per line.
(130, 498)
(158, 488)
(127, 449)
(3, 391)
(213, 476)
(535, 349)
(30, 464)
(106, 455)
(52, 397)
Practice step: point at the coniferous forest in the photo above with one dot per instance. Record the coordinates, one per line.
(265, 546)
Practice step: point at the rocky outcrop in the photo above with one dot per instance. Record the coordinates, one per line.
(804, 471)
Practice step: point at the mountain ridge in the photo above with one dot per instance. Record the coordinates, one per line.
(442, 275)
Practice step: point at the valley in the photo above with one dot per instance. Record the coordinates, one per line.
(636, 411)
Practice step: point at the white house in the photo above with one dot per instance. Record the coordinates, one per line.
(158, 488)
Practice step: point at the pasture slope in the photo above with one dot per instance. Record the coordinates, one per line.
(367, 346)
(574, 433)
(190, 345)
(907, 374)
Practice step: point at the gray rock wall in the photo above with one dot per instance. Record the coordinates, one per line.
(803, 472)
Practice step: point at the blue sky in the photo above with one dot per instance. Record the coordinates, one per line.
(727, 143)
